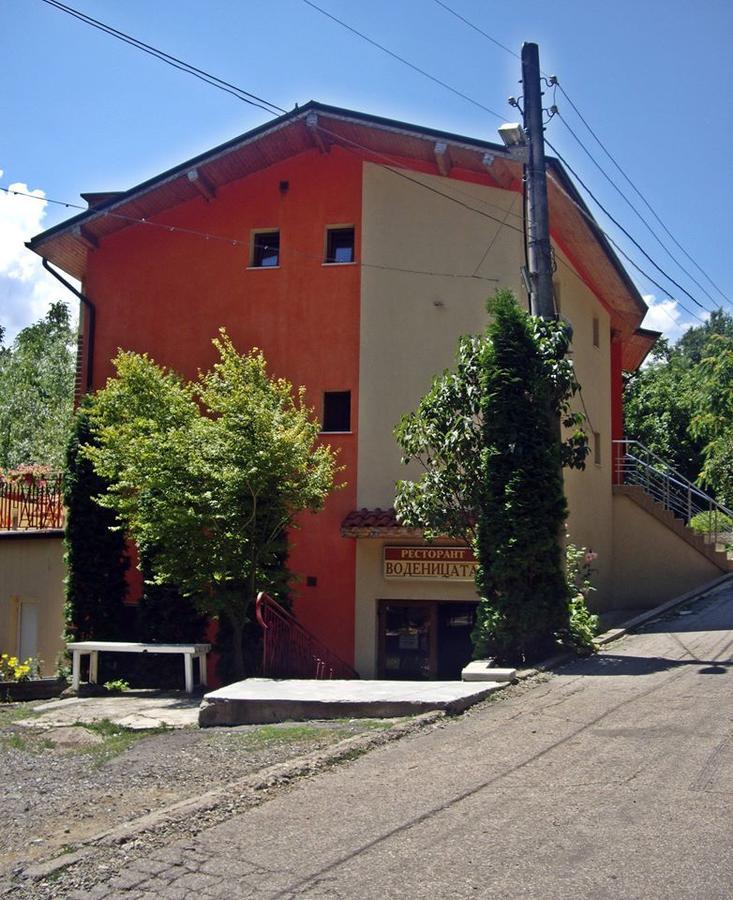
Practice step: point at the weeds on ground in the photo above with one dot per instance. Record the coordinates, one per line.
(297, 733)
(115, 738)
(11, 712)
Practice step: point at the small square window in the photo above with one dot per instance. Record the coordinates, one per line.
(337, 411)
(266, 249)
(340, 245)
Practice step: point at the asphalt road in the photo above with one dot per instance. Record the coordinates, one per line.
(613, 778)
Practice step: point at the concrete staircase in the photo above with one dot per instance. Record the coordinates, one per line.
(710, 546)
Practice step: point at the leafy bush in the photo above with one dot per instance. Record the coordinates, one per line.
(583, 625)
(707, 522)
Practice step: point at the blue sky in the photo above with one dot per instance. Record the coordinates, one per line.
(84, 112)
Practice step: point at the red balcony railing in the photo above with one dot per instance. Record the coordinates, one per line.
(31, 500)
(290, 651)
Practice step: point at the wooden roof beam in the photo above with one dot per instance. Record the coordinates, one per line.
(84, 236)
(498, 170)
(442, 158)
(311, 122)
(202, 184)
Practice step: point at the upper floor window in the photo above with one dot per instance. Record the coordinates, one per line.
(339, 245)
(265, 249)
(337, 411)
(596, 332)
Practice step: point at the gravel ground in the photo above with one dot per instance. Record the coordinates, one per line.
(59, 786)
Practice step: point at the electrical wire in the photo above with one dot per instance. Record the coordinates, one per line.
(621, 227)
(247, 97)
(346, 141)
(636, 211)
(476, 28)
(618, 249)
(557, 84)
(638, 192)
(406, 62)
(236, 242)
(495, 237)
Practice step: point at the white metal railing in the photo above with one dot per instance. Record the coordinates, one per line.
(635, 464)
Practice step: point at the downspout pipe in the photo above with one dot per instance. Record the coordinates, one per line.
(92, 319)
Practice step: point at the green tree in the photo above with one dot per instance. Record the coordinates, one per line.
(713, 420)
(487, 437)
(207, 475)
(37, 391)
(662, 399)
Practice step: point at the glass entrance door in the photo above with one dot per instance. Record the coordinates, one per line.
(407, 640)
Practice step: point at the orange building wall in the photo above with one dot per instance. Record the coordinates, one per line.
(168, 294)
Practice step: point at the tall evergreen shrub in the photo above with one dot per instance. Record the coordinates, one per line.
(525, 598)
(96, 561)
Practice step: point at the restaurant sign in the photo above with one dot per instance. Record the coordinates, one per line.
(430, 563)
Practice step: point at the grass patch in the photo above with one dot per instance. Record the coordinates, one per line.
(279, 735)
(11, 712)
(375, 724)
(289, 734)
(116, 738)
(14, 742)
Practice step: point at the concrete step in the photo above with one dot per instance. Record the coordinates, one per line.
(483, 670)
(260, 700)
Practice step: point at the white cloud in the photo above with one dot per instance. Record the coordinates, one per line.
(668, 317)
(26, 289)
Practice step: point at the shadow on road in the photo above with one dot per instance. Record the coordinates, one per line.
(612, 664)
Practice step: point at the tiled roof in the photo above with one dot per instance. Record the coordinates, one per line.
(371, 518)
(373, 522)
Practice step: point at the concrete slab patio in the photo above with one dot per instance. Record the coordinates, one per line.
(133, 709)
(262, 700)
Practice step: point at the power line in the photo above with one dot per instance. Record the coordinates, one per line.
(124, 218)
(406, 62)
(638, 192)
(247, 97)
(621, 227)
(422, 184)
(639, 215)
(508, 50)
(236, 242)
(476, 28)
(514, 228)
(615, 244)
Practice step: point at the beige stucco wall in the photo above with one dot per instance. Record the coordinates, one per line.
(32, 571)
(410, 325)
(372, 586)
(652, 564)
(589, 492)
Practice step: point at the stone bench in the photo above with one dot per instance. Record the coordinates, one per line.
(94, 648)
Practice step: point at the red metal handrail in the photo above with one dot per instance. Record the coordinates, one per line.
(290, 651)
(31, 504)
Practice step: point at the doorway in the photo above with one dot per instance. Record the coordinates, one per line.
(28, 631)
(421, 640)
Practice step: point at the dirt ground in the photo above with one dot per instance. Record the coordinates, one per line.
(60, 784)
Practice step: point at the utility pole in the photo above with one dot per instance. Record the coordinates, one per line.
(539, 250)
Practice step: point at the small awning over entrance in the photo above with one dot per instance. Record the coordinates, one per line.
(375, 523)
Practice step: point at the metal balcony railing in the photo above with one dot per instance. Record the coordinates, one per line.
(29, 502)
(290, 651)
(636, 465)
